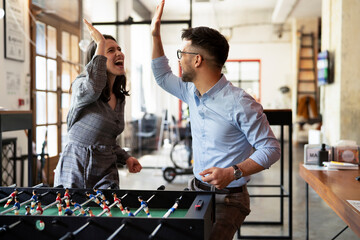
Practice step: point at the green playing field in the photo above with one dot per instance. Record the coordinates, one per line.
(115, 211)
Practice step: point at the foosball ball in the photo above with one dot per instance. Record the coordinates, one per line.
(57, 213)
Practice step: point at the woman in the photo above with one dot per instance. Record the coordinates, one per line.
(95, 119)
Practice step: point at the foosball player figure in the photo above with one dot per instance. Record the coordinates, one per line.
(34, 199)
(11, 197)
(144, 205)
(102, 196)
(77, 206)
(89, 211)
(67, 210)
(106, 208)
(93, 197)
(67, 197)
(58, 200)
(118, 203)
(39, 208)
(129, 213)
(27, 209)
(17, 206)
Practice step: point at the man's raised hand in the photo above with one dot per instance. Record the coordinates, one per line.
(156, 21)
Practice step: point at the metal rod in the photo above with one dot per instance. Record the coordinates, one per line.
(307, 209)
(340, 233)
(112, 236)
(166, 215)
(146, 22)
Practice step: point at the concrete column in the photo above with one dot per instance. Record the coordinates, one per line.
(339, 102)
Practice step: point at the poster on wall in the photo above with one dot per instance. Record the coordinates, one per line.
(13, 30)
(12, 83)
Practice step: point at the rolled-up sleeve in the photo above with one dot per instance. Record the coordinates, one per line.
(167, 80)
(255, 126)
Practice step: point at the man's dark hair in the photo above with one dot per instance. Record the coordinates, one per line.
(119, 87)
(211, 40)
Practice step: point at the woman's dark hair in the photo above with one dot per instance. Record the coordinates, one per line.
(211, 40)
(119, 87)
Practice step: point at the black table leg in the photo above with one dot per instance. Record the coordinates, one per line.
(307, 210)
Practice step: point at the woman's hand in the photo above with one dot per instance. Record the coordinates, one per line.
(94, 33)
(155, 22)
(97, 37)
(133, 165)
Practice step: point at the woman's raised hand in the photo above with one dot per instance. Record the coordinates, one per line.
(94, 33)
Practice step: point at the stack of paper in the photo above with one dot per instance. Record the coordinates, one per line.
(341, 165)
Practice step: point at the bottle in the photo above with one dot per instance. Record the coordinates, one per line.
(323, 155)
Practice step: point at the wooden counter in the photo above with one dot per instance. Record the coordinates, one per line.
(335, 188)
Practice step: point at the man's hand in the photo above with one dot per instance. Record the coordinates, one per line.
(133, 165)
(219, 177)
(156, 21)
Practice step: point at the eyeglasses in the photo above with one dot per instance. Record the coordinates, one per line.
(179, 53)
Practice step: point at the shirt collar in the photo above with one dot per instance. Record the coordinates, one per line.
(216, 88)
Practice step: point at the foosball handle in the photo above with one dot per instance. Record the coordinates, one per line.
(4, 228)
(68, 235)
(58, 222)
(113, 186)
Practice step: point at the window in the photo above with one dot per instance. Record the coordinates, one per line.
(244, 74)
(55, 64)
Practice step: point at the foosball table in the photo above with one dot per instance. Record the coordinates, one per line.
(58, 213)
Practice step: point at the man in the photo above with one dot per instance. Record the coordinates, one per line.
(27, 209)
(144, 205)
(34, 199)
(17, 206)
(128, 211)
(39, 209)
(67, 210)
(226, 122)
(93, 197)
(67, 197)
(58, 200)
(78, 206)
(117, 201)
(11, 197)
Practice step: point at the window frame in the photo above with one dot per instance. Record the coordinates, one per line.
(61, 26)
(239, 81)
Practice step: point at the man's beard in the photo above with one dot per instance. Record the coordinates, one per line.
(188, 76)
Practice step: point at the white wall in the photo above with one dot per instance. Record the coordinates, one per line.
(275, 66)
(15, 82)
(15, 75)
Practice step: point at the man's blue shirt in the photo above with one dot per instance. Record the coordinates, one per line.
(227, 124)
